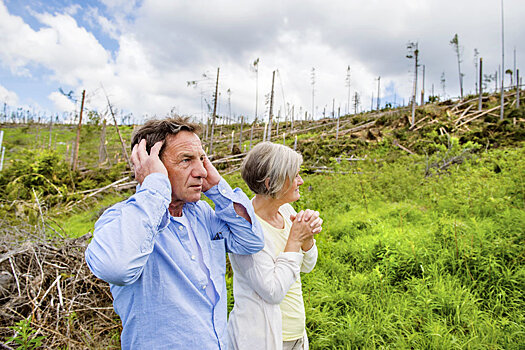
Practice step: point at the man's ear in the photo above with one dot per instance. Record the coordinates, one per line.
(267, 183)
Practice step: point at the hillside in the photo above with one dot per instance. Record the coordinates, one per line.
(422, 245)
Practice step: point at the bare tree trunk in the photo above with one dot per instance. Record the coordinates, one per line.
(378, 92)
(423, 88)
(240, 134)
(77, 143)
(122, 143)
(2, 148)
(251, 132)
(214, 112)
(278, 118)
(207, 128)
(517, 88)
(2, 159)
(455, 43)
(270, 116)
(102, 152)
(413, 120)
(480, 102)
(502, 73)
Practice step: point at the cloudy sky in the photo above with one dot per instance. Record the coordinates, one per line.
(141, 54)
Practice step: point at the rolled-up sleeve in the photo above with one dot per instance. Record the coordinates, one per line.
(242, 237)
(125, 234)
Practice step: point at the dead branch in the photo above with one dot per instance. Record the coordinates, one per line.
(479, 115)
(358, 128)
(396, 143)
(50, 281)
(417, 122)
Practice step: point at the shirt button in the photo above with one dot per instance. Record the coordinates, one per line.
(223, 191)
(180, 228)
(193, 257)
(203, 286)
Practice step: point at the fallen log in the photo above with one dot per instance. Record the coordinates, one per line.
(396, 143)
(479, 115)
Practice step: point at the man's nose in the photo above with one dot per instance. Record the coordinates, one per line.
(199, 170)
(300, 181)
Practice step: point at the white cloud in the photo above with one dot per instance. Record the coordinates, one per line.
(95, 19)
(61, 46)
(8, 97)
(162, 45)
(61, 102)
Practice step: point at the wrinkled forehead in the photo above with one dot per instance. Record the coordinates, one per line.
(184, 142)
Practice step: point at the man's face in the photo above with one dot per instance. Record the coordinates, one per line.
(183, 158)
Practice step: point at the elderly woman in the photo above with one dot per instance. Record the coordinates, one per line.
(269, 312)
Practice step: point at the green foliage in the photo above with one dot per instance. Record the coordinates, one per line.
(80, 222)
(42, 170)
(25, 336)
(93, 118)
(423, 263)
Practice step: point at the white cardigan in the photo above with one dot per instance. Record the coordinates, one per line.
(260, 283)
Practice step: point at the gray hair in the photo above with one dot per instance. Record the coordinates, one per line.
(273, 162)
(155, 130)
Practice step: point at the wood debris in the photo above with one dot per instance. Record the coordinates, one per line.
(48, 280)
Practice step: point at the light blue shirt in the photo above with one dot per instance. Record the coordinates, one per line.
(196, 254)
(157, 283)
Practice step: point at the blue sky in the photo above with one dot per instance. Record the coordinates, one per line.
(143, 53)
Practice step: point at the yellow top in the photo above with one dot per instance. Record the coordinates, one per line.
(292, 306)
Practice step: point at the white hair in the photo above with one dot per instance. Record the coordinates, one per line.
(267, 167)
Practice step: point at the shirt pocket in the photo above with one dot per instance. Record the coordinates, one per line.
(218, 255)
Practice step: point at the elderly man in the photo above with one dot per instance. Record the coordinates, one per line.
(163, 250)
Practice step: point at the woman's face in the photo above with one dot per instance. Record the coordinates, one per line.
(291, 194)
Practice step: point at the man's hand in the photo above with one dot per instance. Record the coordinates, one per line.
(213, 176)
(144, 163)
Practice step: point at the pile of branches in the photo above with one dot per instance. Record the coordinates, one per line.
(46, 283)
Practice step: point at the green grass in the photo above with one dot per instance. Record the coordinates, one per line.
(83, 221)
(34, 136)
(409, 262)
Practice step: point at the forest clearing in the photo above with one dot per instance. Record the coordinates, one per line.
(422, 246)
